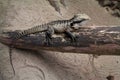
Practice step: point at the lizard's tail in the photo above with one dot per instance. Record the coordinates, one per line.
(36, 29)
(10, 54)
(11, 62)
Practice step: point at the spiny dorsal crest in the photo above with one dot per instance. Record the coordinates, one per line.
(81, 16)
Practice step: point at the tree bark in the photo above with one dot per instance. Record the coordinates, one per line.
(97, 41)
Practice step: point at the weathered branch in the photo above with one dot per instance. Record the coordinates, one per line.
(99, 40)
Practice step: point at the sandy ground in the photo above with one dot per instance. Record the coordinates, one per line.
(44, 65)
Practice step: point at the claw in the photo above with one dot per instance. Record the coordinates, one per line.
(48, 40)
(73, 39)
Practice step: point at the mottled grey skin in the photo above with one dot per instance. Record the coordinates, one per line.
(59, 26)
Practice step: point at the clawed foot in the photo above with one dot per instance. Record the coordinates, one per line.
(74, 39)
(48, 41)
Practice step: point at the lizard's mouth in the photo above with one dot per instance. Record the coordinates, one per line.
(78, 24)
(84, 22)
(81, 21)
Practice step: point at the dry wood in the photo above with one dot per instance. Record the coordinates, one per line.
(98, 41)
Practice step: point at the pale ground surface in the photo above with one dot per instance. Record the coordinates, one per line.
(23, 14)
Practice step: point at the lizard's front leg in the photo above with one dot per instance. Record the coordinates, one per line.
(49, 34)
(71, 36)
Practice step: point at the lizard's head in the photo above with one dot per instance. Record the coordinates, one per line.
(79, 19)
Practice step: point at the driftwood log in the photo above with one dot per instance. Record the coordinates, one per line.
(97, 41)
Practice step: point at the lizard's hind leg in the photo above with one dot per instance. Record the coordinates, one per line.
(48, 35)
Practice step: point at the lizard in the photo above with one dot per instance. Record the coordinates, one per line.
(58, 26)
